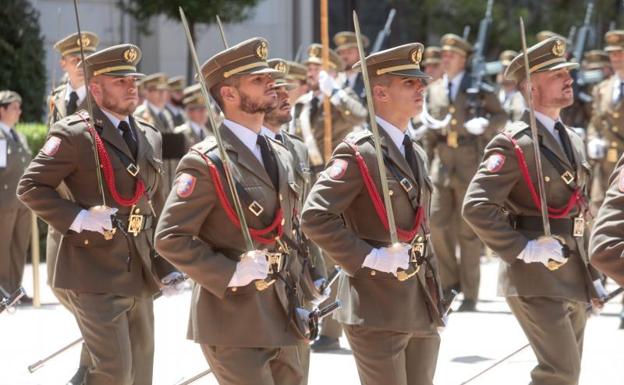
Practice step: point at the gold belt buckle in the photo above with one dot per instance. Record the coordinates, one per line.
(135, 221)
(579, 227)
(452, 139)
(406, 184)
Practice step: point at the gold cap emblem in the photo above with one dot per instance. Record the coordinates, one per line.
(314, 52)
(281, 67)
(416, 56)
(559, 48)
(83, 42)
(262, 50)
(340, 40)
(130, 55)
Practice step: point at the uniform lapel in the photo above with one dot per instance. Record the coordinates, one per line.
(109, 133)
(395, 155)
(59, 102)
(549, 141)
(145, 149)
(243, 155)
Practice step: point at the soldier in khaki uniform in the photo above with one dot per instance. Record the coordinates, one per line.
(245, 334)
(175, 99)
(70, 96)
(154, 111)
(297, 75)
(605, 134)
(510, 99)
(15, 226)
(456, 143)
(108, 276)
(347, 111)
(502, 203)
(390, 324)
(346, 48)
(195, 129)
(432, 62)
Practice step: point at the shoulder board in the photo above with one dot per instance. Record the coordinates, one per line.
(72, 119)
(515, 128)
(206, 145)
(277, 142)
(359, 136)
(142, 122)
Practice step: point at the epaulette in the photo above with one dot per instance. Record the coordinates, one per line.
(358, 137)
(275, 141)
(72, 119)
(515, 128)
(142, 122)
(206, 145)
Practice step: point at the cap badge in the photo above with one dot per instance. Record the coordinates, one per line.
(340, 40)
(313, 51)
(83, 41)
(130, 55)
(262, 50)
(612, 39)
(416, 56)
(559, 48)
(281, 67)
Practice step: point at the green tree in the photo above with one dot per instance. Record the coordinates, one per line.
(21, 56)
(196, 11)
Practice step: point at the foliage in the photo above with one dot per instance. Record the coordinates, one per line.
(22, 56)
(35, 135)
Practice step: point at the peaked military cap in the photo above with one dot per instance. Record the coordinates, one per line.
(282, 66)
(193, 96)
(118, 60)
(507, 56)
(70, 45)
(595, 59)
(176, 83)
(158, 81)
(452, 42)
(543, 35)
(8, 97)
(548, 55)
(315, 56)
(614, 40)
(246, 58)
(296, 71)
(432, 55)
(403, 60)
(347, 39)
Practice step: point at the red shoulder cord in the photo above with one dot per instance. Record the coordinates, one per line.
(109, 175)
(380, 208)
(575, 199)
(258, 235)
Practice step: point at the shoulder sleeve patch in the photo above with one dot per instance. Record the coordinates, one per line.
(495, 162)
(185, 184)
(337, 169)
(51, 146)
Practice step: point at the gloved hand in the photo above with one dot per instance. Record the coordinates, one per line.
(324, 295)
(252, 266)
(388, 259)
(598, 303)
(542, 250)
(596, 148)
(477, 126)
(172, 284)
(327, 84)
(97, 218)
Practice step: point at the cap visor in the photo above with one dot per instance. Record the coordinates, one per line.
(413, 73)
(286, 85)
(567, 65)
(125, 74)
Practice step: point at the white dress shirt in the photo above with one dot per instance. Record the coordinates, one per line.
(6, 129)
(549, 123)
(455, 82)
(616, 89)
(394, 132)
(81, 91)
(247, 136)
(268, 133)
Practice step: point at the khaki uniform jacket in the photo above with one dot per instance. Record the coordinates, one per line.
(57, 108)
(606, 246)
(458, 165)
(495, 198)
(17, 158)
(190, 137)
(607, 123)
(339, 217)
(348, 114)
(86, 262)
(196, 235)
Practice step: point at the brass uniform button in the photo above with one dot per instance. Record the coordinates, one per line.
(373, 272)
(234, 289)
(454, 122)
(451, 109)
(616, 114)
(547, 178)
(86, 242)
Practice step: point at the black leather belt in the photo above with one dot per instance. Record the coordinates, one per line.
(461, 139)
(148, 221)
(557, 226)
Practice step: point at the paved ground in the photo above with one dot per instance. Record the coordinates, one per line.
(470, 343)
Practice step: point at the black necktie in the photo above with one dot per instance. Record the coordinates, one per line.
(314, 106)
(128, 137)
(621, 97)
(410, 156)
(450, 91)
(14, 135)
(279, 138)
(72, 104)
(565, 142)
(268, 158)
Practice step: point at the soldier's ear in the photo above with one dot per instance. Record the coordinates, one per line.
(228, 94)
(380, 93)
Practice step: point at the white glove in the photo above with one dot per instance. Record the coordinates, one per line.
(324, 295)
(477, 126)
(388, 259)
(252, 266)
(600, 289)
(327, 84)
(172, 284)
(580, 131)
(596, 148)
(97, 218)
(542, 250)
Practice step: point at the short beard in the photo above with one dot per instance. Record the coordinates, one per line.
(114, 107)
(251, 107)
(276, 119)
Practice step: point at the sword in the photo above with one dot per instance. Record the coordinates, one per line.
(552, 265)
(402, 275)
(108, 234)
(225, 43)
(195, 377)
